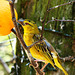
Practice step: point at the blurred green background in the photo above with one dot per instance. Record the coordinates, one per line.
(35, 10)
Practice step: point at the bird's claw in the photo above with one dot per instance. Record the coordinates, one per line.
(36, 64)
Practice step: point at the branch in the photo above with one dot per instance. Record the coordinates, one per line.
(11, 47)
(70, 58)
(58, 33)
(15, 24)
(7, 41)
(5, 65)
(34, 44)
(21, 39)
(43, 22)
(60, 5)
(60, 20)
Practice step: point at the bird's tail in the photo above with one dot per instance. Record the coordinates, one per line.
(51, 62)
(60, 66)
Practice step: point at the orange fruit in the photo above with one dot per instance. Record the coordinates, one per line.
(6, 23)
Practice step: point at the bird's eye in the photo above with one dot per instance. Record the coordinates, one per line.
(29, 20)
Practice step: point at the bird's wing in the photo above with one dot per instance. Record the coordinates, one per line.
(51, 48)
(43, 49)
(56, 57)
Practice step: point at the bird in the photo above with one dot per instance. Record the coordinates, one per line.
(43, 51)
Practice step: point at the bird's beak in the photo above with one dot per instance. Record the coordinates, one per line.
(20, 22)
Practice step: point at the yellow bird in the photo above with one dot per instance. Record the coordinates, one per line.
(42, 51)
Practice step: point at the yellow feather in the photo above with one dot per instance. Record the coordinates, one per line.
(57, 63)
(42, 51)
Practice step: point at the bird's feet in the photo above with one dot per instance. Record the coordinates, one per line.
(44, 66)
(36, 64)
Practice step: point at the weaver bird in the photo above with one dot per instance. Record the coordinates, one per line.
(43, 51)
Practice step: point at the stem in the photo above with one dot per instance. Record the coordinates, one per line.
(60, 20)
(21, 39)
(43, 22)
(5, 65)
(60, 5)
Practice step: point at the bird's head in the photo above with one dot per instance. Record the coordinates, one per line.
(29, 26)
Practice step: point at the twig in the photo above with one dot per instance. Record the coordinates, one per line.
(60, 5)
(5, 65)
(7, 41)
(11, 46)
(5, 45)
(60, 20)
(59, 33)
(15, 24)
(21, 39)
(34, 44)
(43, 22)
(70, 58)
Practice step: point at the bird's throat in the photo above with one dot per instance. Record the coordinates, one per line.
(28, 38)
